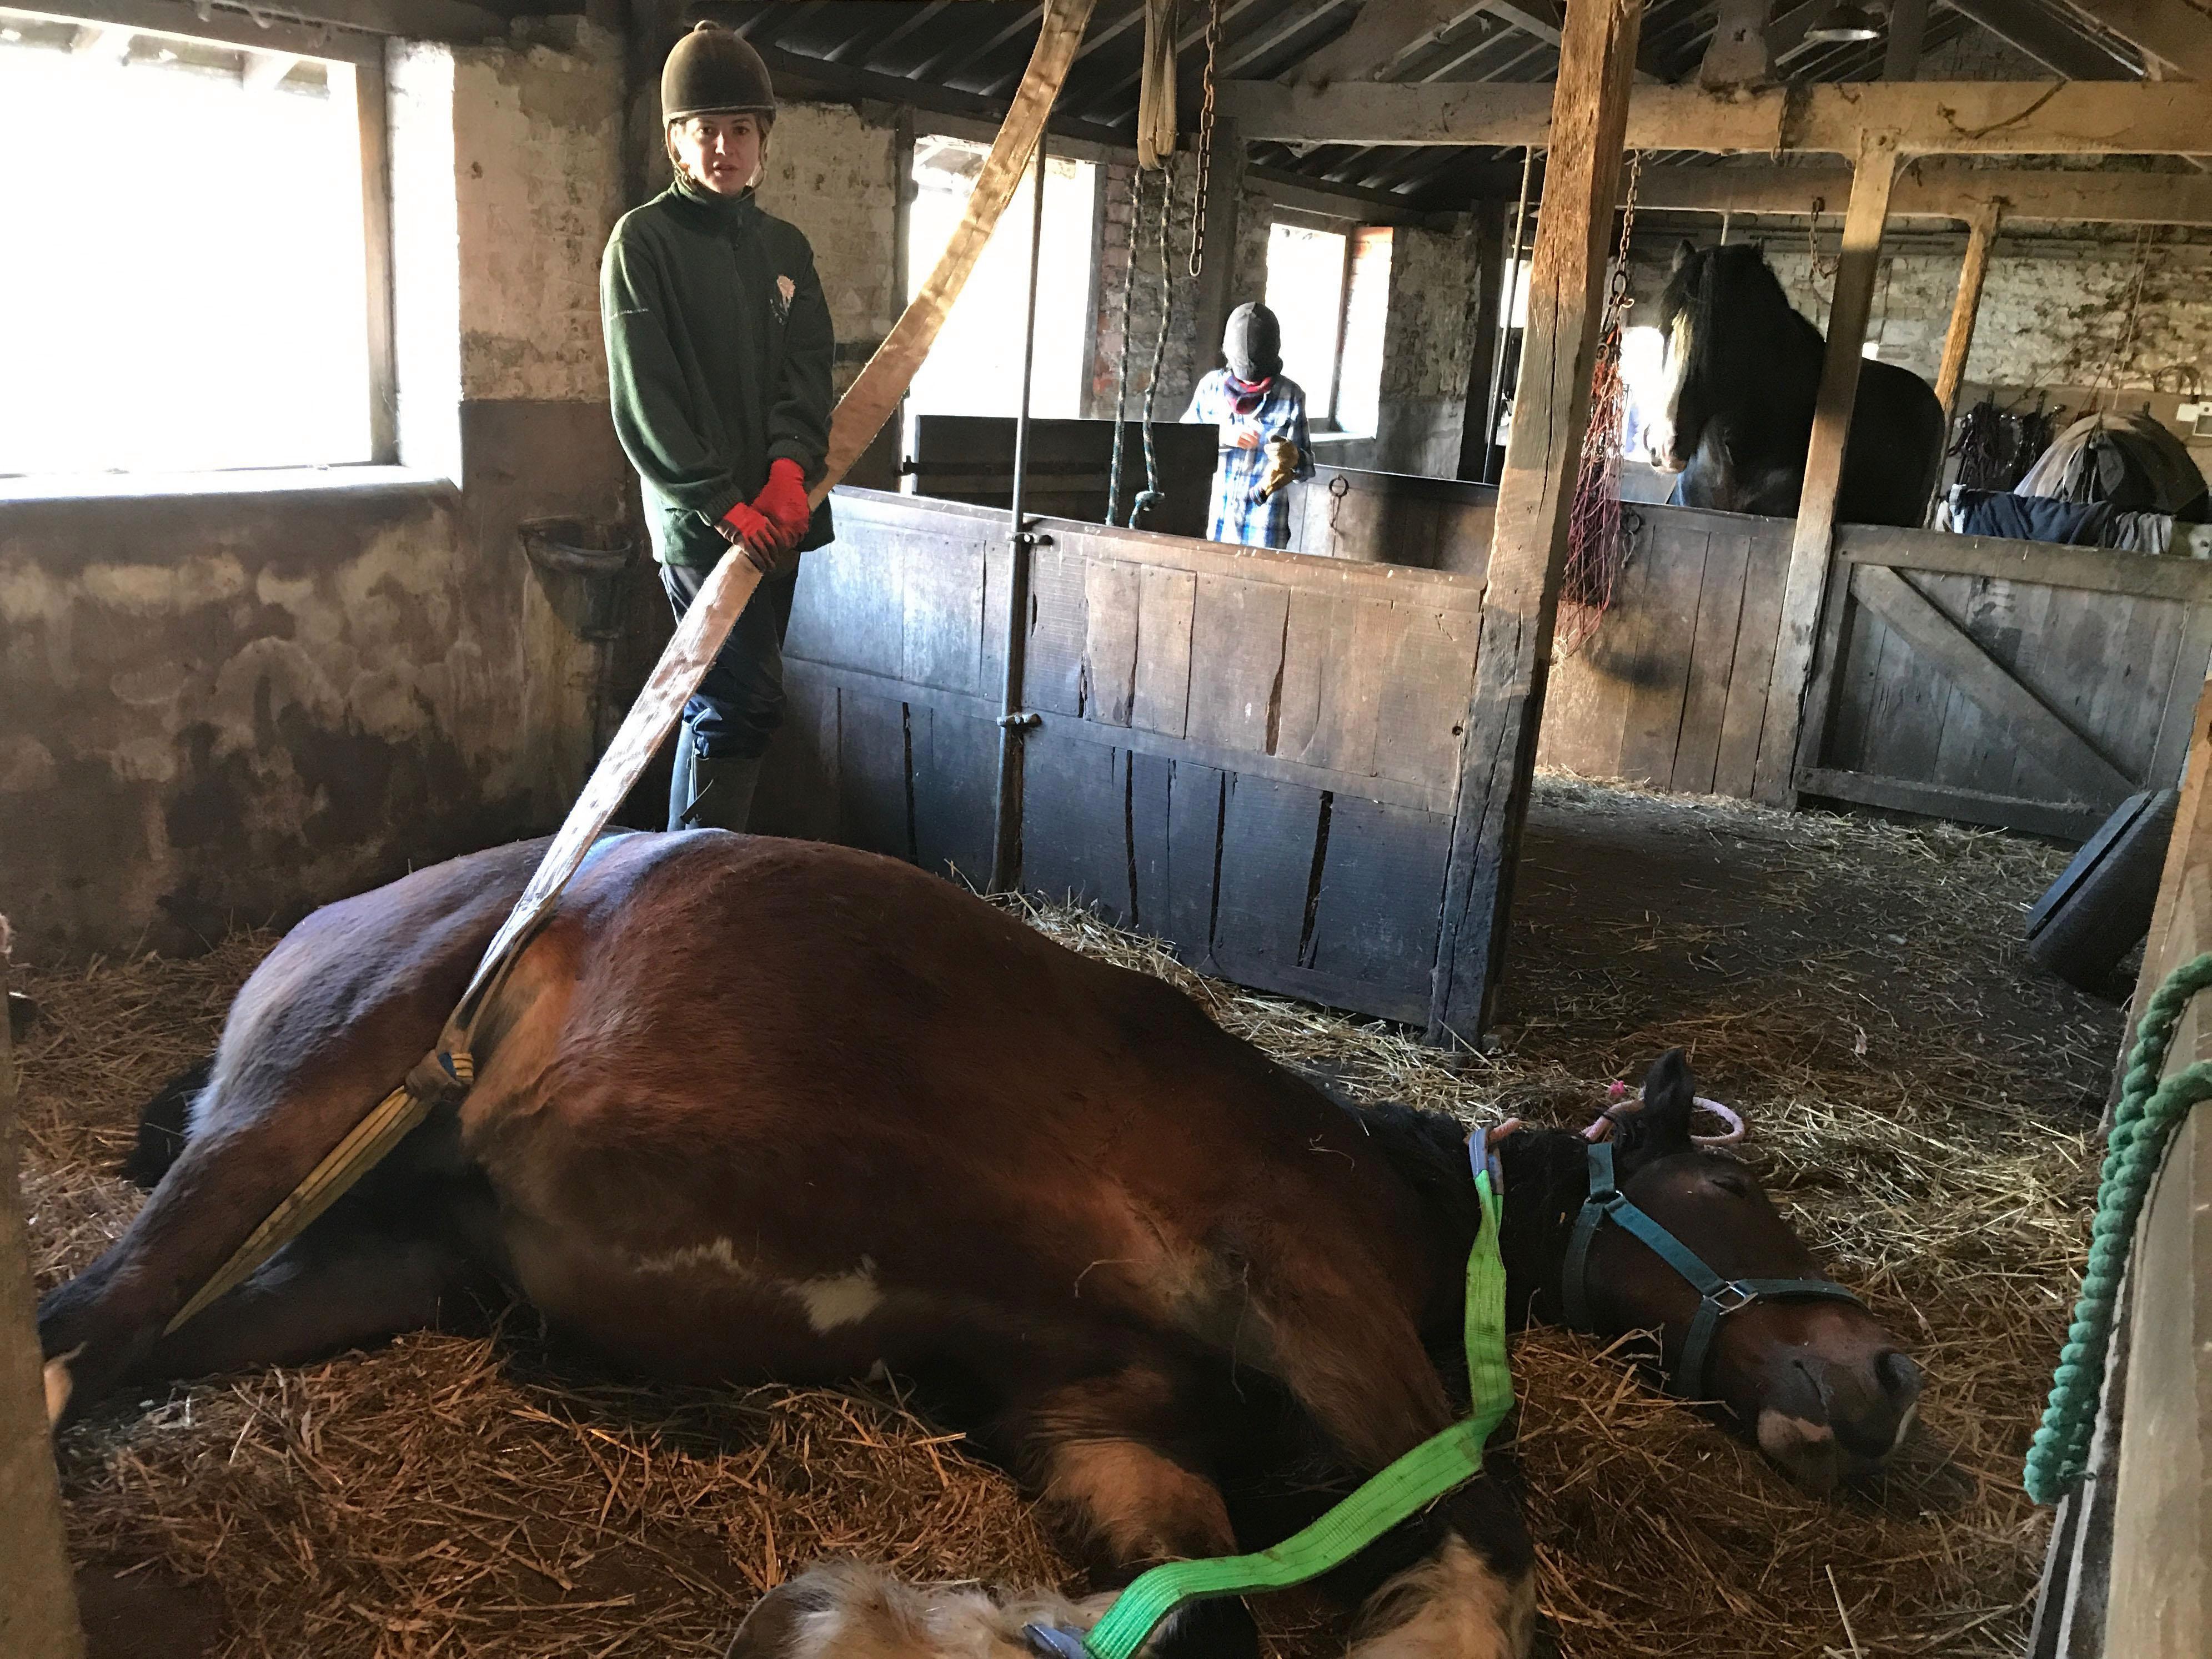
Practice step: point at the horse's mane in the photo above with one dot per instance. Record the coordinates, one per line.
(1735, 282)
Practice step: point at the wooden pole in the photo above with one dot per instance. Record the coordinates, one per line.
(1874, 172)
(38, 1603)
(1528, 548)
(1908, 30)
(1488, 287)
(1981, 231)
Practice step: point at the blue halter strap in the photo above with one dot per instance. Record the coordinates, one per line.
(1718, 1297)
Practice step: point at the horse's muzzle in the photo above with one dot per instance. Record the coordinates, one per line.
(1823, 1418)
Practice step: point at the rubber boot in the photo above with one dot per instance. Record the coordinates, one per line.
(679, 780)
(722, 791)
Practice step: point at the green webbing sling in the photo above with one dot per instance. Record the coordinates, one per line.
(1409, 1485)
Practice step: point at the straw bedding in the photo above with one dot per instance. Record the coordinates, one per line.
(1917, 1107)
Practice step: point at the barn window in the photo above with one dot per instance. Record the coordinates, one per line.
(976, 367)
(213, 310)
(1330, 289)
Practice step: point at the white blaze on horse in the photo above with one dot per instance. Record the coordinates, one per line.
(748, 1109)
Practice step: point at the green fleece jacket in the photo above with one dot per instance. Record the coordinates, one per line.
(718, 348)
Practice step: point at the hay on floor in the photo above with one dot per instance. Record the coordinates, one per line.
(464, 1495)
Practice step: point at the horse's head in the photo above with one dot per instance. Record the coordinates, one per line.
(1816, 1379)
(1718, 304)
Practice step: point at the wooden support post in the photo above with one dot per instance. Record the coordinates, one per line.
(1217, 291)
(38, 1604)
(1960, 340)
(1528, 548)
(1908, 30)
(1874, 172)
(1487, 298)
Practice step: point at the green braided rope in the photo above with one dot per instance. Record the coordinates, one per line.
(2148, 1112)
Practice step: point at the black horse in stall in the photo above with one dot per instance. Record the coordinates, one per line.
(1743, 373)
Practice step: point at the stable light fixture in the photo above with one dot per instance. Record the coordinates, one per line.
(1843, 24)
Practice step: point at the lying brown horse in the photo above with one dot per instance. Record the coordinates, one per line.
(749, 1108)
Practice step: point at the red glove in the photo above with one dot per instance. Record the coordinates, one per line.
(755, 537)
(782, 501)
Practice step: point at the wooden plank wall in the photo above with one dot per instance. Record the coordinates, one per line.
(2130, 1572)
(1431, 523)
(1672, 690)
(1249, 754)
(2016, 683)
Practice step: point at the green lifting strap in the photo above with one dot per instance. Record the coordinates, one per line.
(1410, 1484)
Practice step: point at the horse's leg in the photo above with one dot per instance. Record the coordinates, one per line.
(1116, 1465)
(331, 1289)
(1350, 1353)
(267, 1132)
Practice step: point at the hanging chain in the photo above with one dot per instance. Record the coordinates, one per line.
(1618, 304)
(1204, 140)
(1817, 268)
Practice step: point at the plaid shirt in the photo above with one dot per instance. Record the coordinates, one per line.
(1238, 513)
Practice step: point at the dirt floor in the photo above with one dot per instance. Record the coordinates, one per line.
(1920, 1100)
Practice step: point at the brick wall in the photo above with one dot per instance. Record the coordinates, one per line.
(836, 177)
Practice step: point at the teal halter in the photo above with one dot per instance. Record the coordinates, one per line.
(1719, 1297)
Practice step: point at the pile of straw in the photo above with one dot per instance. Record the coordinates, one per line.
(1917, 1110)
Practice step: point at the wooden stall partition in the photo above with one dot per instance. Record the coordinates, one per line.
(2015, 683)
(2129, 1569)
(970, 457)
(1249, 754)
(1395, 518)
(1672, 690)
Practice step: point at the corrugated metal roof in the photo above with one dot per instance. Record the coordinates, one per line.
(976, 49)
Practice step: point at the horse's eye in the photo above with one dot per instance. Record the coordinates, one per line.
(1730, 1182)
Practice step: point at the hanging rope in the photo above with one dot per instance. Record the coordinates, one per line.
(1151, 496)
(1597, 546)
(1121, 362)
(2149, 1114)
(2116, 364)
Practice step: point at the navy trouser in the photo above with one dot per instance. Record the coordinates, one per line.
(739, 703)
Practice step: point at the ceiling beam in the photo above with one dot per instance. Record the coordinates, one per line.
(1992, 117)
(2176, 32)
(2041, 36)
(1545, 19)
(1384, 34)
(800, 78)
(1933, 189)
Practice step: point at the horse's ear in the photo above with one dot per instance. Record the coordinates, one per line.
(1663, 1126)
(1684, 252)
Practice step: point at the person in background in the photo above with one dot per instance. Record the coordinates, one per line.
(719, 350)
(1261, 413)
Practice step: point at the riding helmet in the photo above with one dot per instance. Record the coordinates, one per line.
(711, 72)
(1253, 343)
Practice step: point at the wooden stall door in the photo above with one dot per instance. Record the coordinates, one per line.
(1393, 517)
(1671, 691)
(1251, 754)
(2015, 683)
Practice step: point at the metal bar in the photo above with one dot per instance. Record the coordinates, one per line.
(1505, 323)
(1006, 833)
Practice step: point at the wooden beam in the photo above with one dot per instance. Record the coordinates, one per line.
(2176, 32)
(1384, 34)
(1964, 118)
(1489, 245)
(1528, 548)
(2040, 35)
(1873, 177)
(1908, 32)
(1544, 19)
(1932, 190)
(1217, 292)
(1738, 55)
(38, 1603)
(1958, 338)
